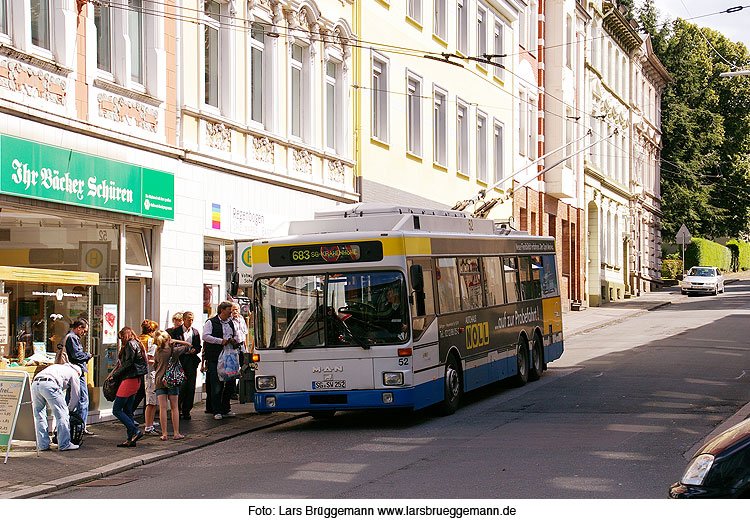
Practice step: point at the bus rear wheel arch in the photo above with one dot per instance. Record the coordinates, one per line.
(537, 357)
(453, 386)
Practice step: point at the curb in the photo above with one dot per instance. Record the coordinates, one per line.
(130, 463)
(616, 320)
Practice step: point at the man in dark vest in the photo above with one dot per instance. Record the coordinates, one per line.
(218, 334)
(190, 362)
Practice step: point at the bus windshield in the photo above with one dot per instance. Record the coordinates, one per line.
(331, 310)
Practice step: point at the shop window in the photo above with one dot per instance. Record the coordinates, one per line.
(447, 280)
(211, 256)
(135, 250)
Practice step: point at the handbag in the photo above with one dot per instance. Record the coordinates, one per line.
(110, 387)
(175, 375)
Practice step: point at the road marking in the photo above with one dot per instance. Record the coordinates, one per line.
(321, 476)
(632, 428)
(333, 467)
(584, 484)
(382, 448)
(740, 376)
(704, 382)
(724, 353)
(685, 396)
(669, 416)
(622, 455)
(404, 440)
(327, 472)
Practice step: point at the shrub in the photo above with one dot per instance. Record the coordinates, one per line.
(740, 254)
(705, 253)
(670, 268)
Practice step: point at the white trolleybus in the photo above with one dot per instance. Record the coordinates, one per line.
(376, 306)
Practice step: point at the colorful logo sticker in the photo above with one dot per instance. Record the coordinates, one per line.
(216, 216)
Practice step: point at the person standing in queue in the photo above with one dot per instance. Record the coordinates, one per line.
(190, 362)
(48, 388)
(167, 350)
(131, 369)
(148, 329)
(177, 322)
(218, 334)
(77, 356)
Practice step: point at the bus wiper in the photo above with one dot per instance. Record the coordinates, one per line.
(294, 342)
(356, 339)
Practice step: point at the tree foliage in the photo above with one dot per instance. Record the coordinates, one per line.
(705, 128)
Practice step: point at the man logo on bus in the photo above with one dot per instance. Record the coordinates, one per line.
(330, 254)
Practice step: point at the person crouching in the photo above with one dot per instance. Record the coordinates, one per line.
(48, 388)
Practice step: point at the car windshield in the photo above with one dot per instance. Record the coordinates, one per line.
(702, 272)
(331, 310)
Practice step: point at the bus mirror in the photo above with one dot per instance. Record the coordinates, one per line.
(419, 302)
(417, 279)
(235, 284)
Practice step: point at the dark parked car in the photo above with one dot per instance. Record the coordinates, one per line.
(721, 468)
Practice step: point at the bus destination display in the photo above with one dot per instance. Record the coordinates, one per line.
(325, 254)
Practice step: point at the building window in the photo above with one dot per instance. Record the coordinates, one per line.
(4, 17)
(297, 91)
(569, 41)
(522, 27)
(462, 16)
(440, 23)
(414, 10)
(135, 33)
(531, 128)
(332, 107)
(211, 40)
(257, 48)
(103, 23)
(40, 27)
(499, 44)
(481, 148)
(569, 137)
(481, 31)
(440, 127)
(414, 115)
(522, 116)
(498, 152)
(462, 138)
(533, 23)
(624, 78)
(380, 99)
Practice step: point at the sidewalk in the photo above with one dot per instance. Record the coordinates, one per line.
(577, 322)
(25, 475)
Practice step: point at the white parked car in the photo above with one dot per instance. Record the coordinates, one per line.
(703, 280)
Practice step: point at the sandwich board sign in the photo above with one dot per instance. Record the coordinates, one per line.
(16, 413)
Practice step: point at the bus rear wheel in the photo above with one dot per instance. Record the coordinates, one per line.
(537, 360)
(452, 387)
(522, 363)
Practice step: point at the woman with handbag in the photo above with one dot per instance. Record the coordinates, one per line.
(131, 366)
(169, 376)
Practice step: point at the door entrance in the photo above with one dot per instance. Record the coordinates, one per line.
(136, 300)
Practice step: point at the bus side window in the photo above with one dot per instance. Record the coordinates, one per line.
(530, 287)
(420, 323)
(549, 276)
(471, 283)
(510, 269)
(447, 281)
(493, 280)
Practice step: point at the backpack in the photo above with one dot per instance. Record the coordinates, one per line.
(175, 375)
(76, 429)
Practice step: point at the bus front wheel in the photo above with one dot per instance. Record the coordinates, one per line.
(452, 387)
(522, 362)
(537, 360)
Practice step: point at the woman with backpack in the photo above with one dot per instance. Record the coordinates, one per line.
(130, 369)
(169, 376)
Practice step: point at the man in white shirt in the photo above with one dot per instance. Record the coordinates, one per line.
(48, 388)
(218, 334)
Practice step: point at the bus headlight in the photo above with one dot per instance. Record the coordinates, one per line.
(265, 383)
(393, 378)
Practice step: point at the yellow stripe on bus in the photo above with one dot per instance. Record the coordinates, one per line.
(392, 246)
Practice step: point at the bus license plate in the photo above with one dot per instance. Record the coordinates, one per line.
(330, 384)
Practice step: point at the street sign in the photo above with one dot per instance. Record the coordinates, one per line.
(683, 236)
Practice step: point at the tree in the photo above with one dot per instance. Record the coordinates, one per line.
(705, 129)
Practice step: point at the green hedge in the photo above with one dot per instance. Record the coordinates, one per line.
(670, 268)
(740, 254)
(705, 253)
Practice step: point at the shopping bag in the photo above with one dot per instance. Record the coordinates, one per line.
(229, 365)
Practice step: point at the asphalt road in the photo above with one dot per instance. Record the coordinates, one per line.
(612, 419)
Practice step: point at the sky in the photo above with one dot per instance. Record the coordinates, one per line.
(733, 25)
